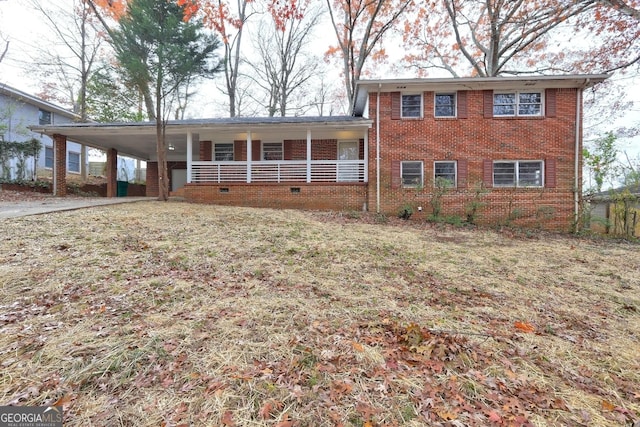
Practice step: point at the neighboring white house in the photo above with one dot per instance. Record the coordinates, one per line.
(19, 110)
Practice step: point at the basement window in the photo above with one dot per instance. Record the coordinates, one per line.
(224, 190)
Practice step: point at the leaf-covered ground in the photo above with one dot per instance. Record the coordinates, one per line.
(151, 314)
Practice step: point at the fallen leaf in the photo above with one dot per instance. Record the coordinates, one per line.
(227, 419)
(495, 417)
(357, 346)
(265, 411)
(608, 406)
(524, 327)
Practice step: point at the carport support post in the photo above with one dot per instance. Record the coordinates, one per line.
(112, 172)
(59, 165)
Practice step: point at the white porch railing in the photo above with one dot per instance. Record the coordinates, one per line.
(279, 171)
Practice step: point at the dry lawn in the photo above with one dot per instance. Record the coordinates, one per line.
(152, 314)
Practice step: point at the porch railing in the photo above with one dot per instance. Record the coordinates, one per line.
(279, 171)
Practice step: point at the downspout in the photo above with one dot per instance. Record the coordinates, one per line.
(378, 149)
(576, 171)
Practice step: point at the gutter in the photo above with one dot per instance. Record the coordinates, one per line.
(378, 149)
(576, 171)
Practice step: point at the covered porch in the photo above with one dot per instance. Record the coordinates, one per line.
(310, 158)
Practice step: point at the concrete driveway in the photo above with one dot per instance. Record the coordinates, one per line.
(15, 209)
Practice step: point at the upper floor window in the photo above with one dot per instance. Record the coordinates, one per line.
(518, 173)
(44, 117)
(411, 173)
(444, 174)
(272, 151)
(517, 104)
(223, 152)
(74, 162)
(48, 157)
(412, 106)
(445, 105)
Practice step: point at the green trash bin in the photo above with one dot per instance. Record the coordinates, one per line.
(123, 187)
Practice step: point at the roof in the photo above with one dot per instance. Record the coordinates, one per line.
(364, 87)
(138, 139)
(607, 195)
(33, 100)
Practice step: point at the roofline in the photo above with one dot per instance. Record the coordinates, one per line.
(590, 80)
(240, 124)
(364, 87)
(31, 99)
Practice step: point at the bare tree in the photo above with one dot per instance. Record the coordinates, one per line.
(285, 66)
(67, 69)
(360, 26)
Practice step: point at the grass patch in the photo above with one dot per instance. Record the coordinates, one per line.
(206, 315)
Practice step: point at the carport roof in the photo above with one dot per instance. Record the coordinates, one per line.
(138, 139)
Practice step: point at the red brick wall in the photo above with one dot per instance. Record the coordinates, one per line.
(60, 166)
(474, 140)
(152, 179)
(152, 176)
(278, 196)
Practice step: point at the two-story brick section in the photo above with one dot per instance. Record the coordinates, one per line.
(508, 146)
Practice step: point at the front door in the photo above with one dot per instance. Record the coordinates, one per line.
(348, 153)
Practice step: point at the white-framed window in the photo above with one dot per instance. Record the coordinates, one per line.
(445, 105)
(223, 152)
(412, 105)
(445, 173)
(518, 173)
(411, 174)
(48, 157)
(272, 151)
(74, 162)
(517, 104)
(44, 117)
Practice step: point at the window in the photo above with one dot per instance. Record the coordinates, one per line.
(223, 152)
(517, 173)
(74, 162)
(444, 174)
(48, 157)
(411, 173)
(44, 117)
(272, 151)
(445, 105)
(412, 105)
(517, 104)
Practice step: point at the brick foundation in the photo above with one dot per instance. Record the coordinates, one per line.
(340, 197)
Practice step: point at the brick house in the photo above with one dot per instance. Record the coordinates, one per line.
(519, 139)
(511, 144)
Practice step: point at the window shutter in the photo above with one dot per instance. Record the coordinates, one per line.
(396, 179)
(396, 105)
(463, 172)
(488, 103)
(255, 151)
(462, 105)
(487, 172)
(550, 173)
(550, 102)
(237, 151)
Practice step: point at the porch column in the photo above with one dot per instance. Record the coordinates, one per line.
(366, 156)
(308, 155)
(59, 165)
(112, 172)
(189, 155)
(249, 156)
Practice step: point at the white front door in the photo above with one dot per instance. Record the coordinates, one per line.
(348, 150)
